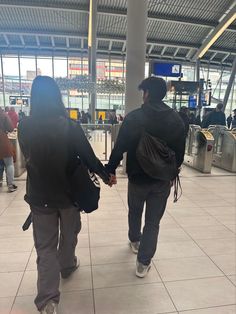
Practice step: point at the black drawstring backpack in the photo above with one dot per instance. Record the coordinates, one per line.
(158, 161)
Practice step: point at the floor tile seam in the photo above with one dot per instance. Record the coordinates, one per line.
(206, 308)
(17, 291)
(194, 279)
(203, 251)
(91, 270)
(167, 291)
(220, 222)
(61, 292)
(129, 285)
(234, 283)
(13, 198)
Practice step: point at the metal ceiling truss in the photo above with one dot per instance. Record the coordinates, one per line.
(213, 32)
(67, 47)
(102, 11)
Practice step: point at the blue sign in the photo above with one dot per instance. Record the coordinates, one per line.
(166, 69)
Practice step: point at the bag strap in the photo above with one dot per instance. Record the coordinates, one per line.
(177, 186)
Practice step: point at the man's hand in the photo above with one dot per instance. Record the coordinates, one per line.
(112, 180)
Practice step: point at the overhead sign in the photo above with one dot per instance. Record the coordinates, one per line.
(166, 69)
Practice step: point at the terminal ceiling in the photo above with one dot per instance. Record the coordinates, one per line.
(175, 28)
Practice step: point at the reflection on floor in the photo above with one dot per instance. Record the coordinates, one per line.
(193, 270)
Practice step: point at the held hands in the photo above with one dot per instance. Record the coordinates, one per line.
(112, 180)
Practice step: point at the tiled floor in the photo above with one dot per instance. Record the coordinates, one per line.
(193, 271)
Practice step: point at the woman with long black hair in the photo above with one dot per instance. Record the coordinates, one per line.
(45, 137)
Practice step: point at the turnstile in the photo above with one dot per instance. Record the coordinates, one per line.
(224, 153)
(199, 149)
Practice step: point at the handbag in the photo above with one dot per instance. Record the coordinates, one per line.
(84, 187)
(83, 184)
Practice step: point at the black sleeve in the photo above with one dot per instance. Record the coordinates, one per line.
(82, 147)
(121, 146)
(179, 148)
(21, 139)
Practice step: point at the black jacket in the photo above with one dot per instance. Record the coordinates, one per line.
(214, 118)
(47, 145)
(159, 120)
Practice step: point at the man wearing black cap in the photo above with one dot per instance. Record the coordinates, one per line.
(157, 119)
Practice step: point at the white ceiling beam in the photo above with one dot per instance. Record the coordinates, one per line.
(227, 19)
(52, 41)
(6, 39)
(163, 51)
(67, 43)
(124, 47)
(75, 8)
(176, 51)
(22, 40)
(110, 45)
(213, 56)
(150, 49)
(189, 54)
(37, 41)
(228, 54)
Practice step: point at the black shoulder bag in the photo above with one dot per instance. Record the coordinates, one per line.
(84, 185)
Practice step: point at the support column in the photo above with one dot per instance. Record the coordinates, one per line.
(229, 86)
(92, 43)
(135, 52)
(3, 84)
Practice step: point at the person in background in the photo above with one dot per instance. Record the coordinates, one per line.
(1, 172)
(13, 116)
(192, 118)
(184, 114)
(216, 117)
(89, 117)
(234, 119)
(229, 121)
(100, 120)
(120, 118)
(46, 139)
(84, 117)
(7, 150)
(21, 115)
(159, 120)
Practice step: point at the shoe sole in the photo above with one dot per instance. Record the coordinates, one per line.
(143, 275)
(133, 250)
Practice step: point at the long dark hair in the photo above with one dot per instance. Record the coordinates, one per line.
(46, 100)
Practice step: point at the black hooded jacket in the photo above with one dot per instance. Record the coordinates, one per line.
(159, 120)
(47, 145)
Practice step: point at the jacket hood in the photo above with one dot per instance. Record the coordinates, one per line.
(158, 110)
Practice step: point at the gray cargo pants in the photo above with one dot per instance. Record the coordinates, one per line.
(155, 196)
(55, 238)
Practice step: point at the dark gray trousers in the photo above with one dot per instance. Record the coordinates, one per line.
(155, 196)
(55, 238)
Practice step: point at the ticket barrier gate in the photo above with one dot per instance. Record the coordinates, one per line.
(224, 153)
(199, 149)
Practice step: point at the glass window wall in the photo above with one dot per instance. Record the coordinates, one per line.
(73, 74)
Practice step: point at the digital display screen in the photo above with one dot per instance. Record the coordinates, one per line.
(166, 69)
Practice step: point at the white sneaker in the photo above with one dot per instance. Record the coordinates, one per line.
(12, 188)
(134, 246)
(50, 308)
(142, 270)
